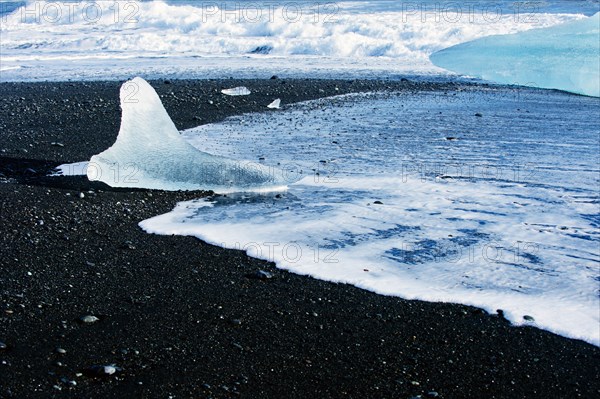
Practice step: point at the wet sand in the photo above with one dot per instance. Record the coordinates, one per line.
(181, 318)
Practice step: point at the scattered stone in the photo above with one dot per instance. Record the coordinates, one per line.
(450, 138)
(433, 394)
(479, 114)
(378, 203)
(89, 319)
(81, 195)
(274, 77)
(57, 144)
(501, 314)
(260, 275)
(236, 322)
(98, 371)
(128, 245)
(66, 381)
(528, 318)
(167, 82)
(60, 350)
(2, 345)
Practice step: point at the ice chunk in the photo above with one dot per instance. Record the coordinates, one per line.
(275, 104)
(563, 57)
(150, 153)
(236, 91)
(71, 169)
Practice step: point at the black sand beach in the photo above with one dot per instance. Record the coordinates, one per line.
(183, 319)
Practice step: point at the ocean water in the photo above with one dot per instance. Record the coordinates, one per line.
(61, 40)
(416, 196)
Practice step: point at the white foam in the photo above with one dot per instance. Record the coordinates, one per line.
(497, 219)
(355, 36)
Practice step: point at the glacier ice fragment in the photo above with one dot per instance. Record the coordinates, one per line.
(236, 91)
(150, 153)
(564, 57)
(275, 104)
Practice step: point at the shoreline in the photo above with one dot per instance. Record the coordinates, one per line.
(173, 309)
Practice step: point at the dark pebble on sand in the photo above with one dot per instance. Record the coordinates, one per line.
(98, 371)
(378, 203)
(274, 77)
(479, 114)
(128, 245)
(528, 318)
(450, 138)
(260, 275)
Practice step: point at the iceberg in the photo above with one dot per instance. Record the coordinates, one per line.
(564, 57)
(150, 153)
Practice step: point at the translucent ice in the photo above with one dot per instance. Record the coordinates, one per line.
(236, 91)
(275, 104)
(564, 57)
(150, 153)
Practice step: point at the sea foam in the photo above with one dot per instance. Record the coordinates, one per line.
(416, 196)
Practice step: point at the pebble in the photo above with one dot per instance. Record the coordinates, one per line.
(479, 115)
(2, 345)
(60, 350)
(101, 371)
(128, 245)
(378, 203)
(81, 195)
(433, 394)
(528, 318)
(260, 275)
(89, 319)
(66, 381)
